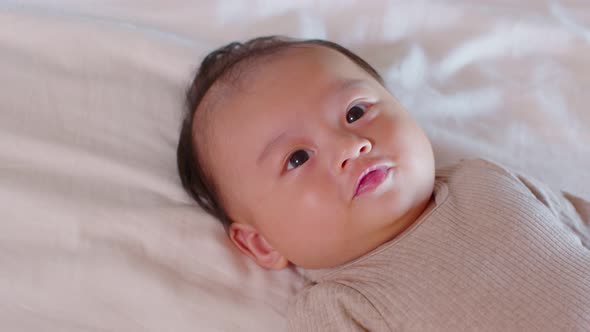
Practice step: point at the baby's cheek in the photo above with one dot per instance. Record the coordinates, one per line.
(386, 133)
(312, 243)
(311, 200)
(316, 212)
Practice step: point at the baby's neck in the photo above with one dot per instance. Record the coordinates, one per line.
(399, 226)
(419, 212)
(415, 214)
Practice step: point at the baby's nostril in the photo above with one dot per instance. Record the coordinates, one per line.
(344, 163)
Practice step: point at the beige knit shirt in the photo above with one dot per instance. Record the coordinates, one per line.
(498, 252)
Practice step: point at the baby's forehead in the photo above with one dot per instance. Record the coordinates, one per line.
(279, 79)
(306, 64)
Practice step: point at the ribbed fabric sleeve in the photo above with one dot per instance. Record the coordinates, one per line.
(336, 307)
(573, 211)
(498, 252)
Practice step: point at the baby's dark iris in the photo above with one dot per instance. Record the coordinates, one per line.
(354, 113)
(298, 158)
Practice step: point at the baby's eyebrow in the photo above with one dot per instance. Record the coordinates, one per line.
(350, 83)
(273, 143)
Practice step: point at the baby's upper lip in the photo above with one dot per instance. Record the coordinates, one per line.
(366, 170)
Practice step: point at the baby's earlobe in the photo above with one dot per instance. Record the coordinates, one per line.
(279, 262)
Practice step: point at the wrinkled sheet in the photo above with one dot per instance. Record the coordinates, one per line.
(96, 233)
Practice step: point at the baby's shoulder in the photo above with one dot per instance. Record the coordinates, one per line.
(474, 168)
(335, 306)
(315, 293)
(491, 179)
(482, 178)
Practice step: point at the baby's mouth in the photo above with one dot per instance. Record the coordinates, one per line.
(370, 179)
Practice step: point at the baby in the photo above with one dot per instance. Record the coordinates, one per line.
(298, 148)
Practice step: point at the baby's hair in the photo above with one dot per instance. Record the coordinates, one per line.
(217, 65)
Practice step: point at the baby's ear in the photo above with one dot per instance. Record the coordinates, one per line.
(252, 243)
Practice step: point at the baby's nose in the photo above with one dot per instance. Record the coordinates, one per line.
(355, 147)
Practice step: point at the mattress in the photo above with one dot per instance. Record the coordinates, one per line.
(96, 233)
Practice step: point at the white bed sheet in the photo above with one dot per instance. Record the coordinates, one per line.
(96, 233)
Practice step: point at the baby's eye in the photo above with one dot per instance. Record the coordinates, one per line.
(355, 113)
(297, 159)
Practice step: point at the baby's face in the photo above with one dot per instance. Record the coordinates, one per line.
(288, 148)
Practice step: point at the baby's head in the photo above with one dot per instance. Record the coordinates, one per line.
(301, 152)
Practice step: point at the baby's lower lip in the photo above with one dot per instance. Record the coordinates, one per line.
(372, 181)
